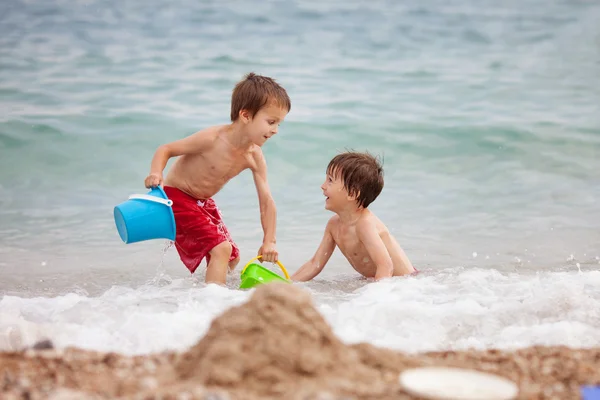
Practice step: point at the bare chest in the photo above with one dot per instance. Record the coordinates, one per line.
(347, 241)
(203, 175)
(218, 165)
(221, 167)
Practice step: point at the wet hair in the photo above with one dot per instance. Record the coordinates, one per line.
(254, 92)
(361, 174)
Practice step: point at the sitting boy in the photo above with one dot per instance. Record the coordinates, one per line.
(353, 181)
(208, 159)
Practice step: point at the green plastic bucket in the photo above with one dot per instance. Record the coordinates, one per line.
(255, 274)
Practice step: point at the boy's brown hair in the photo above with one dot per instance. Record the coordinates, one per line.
(254, 92)
(361, 174)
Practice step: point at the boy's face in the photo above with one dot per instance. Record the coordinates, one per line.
(336, 195)
(265, 123)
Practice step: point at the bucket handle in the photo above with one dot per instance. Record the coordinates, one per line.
(166, 202)
(287, 276)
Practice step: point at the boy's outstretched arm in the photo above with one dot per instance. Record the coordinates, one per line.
(369, 236)
(315, 265)
(268, 210)
(194, 143)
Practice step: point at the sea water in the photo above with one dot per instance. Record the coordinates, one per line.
(487, 117)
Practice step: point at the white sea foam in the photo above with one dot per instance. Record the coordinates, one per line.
(449, 309)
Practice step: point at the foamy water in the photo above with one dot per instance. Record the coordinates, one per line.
(447, 309)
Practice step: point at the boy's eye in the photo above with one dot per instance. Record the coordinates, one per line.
(271, 122)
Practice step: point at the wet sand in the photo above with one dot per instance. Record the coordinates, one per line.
(277, 346)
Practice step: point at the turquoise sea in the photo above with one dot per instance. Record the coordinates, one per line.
(487, 115)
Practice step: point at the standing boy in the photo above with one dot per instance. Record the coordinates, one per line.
(208, 159)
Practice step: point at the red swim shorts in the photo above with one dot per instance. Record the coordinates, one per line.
(200, 228)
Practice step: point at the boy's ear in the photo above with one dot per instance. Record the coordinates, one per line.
(245, 116)
(354, 196)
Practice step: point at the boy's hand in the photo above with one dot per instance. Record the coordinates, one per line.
(153, 180)
(268, 252)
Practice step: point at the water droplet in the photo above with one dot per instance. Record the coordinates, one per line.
(474, 254)
(43, 263)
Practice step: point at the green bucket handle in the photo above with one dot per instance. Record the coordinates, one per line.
(287, 276)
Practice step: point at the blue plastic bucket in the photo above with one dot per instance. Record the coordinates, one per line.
(145, 216)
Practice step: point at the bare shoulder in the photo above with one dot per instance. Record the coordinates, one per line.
(206, 136)
(196, 143)
(333, 223)
(257, 158)
(367, 221)
(371, 223)
(212, 132)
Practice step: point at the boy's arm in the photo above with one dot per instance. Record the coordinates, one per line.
(268, 211)
(194, 143)
(369, 236)
(315, 265)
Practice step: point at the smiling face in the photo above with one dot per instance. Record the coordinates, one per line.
(264, 124)
(359, 175)
(336, 195)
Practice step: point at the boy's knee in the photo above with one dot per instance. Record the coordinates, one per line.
(233, 263)
(222, 250)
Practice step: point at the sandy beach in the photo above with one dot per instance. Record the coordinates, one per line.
(277, 346)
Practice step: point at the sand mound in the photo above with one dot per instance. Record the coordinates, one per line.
(276, 346)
